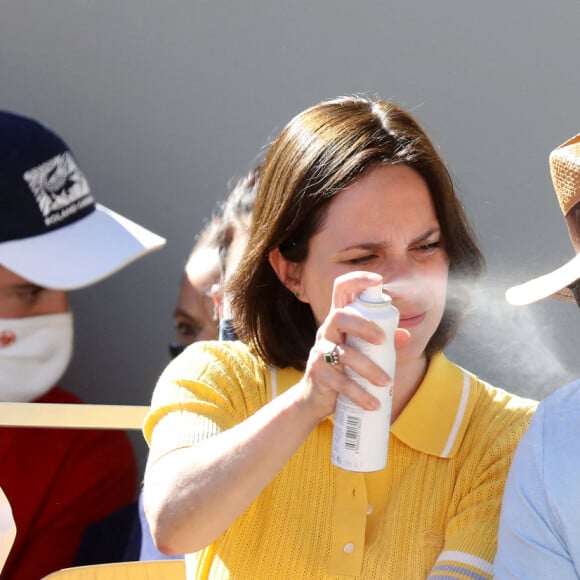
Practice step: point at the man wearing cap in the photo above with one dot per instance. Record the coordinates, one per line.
(54, 238)
(539, 532)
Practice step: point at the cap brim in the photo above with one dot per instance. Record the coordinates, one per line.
(552, 285)
(80, 253)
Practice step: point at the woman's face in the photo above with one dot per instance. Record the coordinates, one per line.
(194, 314)
(385, 222)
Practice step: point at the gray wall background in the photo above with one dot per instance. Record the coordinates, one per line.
(164, 102)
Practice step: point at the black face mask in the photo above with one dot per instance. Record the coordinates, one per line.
(175, 349)
(226, 329)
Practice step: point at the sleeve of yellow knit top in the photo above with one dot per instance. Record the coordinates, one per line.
(484, 458)
(209, 388)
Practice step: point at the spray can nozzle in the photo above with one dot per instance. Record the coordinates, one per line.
(375, 295)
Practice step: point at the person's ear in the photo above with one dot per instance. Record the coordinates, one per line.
(289, 273)
(217, 295)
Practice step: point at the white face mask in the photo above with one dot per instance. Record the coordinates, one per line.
(34, 354)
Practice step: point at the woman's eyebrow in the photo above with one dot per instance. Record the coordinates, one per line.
(181, 312)
(426, 235)
(373, 246)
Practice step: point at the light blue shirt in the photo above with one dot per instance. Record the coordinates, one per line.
(148, 549)
(539, 530)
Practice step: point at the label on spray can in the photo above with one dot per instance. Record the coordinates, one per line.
(361, 438)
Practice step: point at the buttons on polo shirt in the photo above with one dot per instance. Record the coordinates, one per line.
(369, 509)
(349, 548)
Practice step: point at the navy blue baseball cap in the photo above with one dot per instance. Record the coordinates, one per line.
(52, 231)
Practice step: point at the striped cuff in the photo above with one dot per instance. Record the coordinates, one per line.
(454, 565)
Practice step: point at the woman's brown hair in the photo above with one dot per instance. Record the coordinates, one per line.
(321, 152)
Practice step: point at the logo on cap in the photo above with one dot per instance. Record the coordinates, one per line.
(59, 187)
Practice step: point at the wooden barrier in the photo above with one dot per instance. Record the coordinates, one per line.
(71, 415)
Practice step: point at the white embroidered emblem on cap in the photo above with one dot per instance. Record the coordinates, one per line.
(59, 187)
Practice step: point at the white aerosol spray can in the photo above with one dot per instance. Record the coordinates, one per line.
(361, 438)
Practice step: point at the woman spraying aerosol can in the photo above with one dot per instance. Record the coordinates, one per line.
(361, 438)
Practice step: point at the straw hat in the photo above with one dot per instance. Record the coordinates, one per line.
(565, 172)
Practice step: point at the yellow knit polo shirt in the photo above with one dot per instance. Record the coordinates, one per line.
(431, 513)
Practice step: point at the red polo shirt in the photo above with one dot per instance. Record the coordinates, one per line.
(57, 482)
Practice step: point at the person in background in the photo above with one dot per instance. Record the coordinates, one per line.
(539, 531)
(239, 477)
(224, 239)
(232, 241)
(195, 316)
(54, 238)
(216, 250)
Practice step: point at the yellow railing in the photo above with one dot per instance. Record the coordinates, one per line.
(69, 415)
